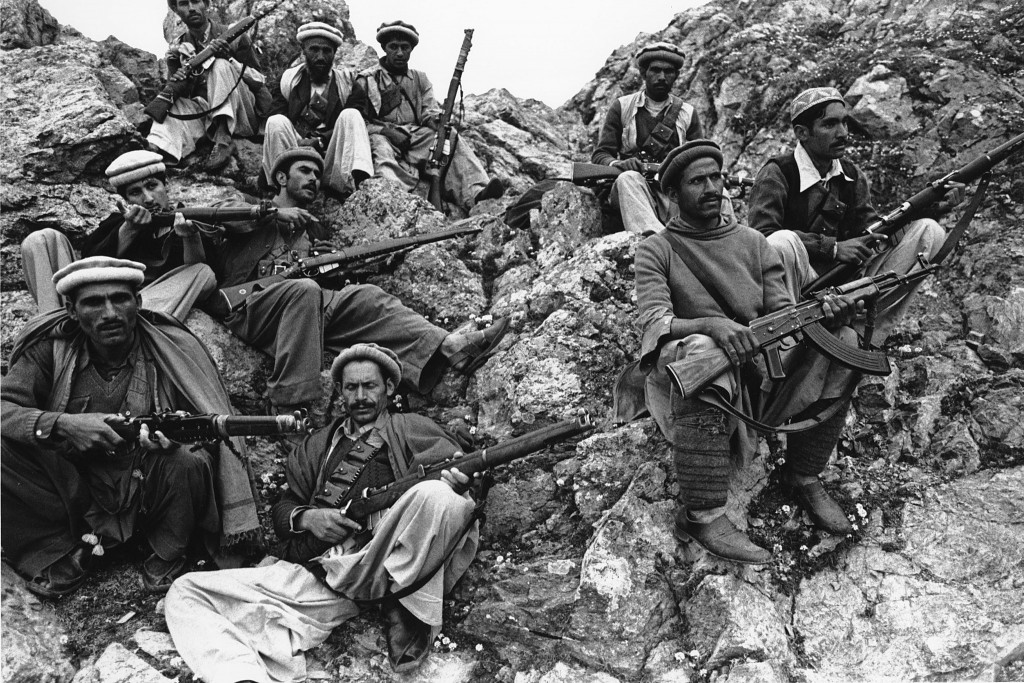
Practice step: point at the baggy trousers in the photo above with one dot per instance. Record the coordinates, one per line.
(643, 210)
(348, 150)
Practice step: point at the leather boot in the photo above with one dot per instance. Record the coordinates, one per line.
(824, 512)
(720, 538)
(408, 638)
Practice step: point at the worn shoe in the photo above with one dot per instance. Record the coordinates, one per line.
(158, 574)
(720, 538)
(220, 157)
(408, 638)
(494, 189)
(471, 357)
(63, 576)
(824, 512)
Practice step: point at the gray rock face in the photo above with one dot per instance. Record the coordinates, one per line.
(33, 638)
(118, 665)
(26, 24)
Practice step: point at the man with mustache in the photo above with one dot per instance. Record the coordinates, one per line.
(699, 283)
(401, 116)
(309, 112)
(216, 104)
(643, 127)
(814, 204)
(255, 624)
(176, 276)
(72, 485)
(295, 320)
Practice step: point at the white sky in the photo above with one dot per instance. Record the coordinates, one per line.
(542, 49)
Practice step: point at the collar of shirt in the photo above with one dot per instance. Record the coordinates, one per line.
(809, 175)
(349, 430)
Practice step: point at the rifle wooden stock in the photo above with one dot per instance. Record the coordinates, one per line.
(446, 137)
(891, 223)
(213, 214)
(204, 428)
(367, 501)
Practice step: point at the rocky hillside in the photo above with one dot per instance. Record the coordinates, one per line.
(579, 578)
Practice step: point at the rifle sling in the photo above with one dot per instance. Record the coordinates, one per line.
(965, 220)
(207, 112)
(702, 276)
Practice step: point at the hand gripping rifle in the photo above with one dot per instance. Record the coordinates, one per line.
(230, 299)
(591, 175)
(891, 225)
(204, 429)
(161, 104)
(697, 371)
(447, 134)
(215, 215)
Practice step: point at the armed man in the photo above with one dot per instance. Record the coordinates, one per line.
(642, 128)
(255, 624)
(814, 204)
(402, 118)
(176, 275)
(699, 283)
(310, 112)
(71, 484)
(216, 104)
(295, 320)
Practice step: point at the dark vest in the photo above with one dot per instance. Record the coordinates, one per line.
(802, 217)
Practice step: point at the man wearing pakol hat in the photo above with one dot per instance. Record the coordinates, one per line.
(176, 276)
(309, 112)
(221, 102)
(255, 624)
(401, 117)
(699, 283)
(71, 485)
(641, 128)
(295, 320)
(814, 205)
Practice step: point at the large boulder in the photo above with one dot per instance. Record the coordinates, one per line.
(33, 640)
(25, 24)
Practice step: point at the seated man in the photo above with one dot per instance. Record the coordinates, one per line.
(814, 205)
(176, 276)
(309, 112)
(699, 283)
(219, 102)
(641, 128)
(402, 115)
(255, 624)
(69, 480)
(295, 320)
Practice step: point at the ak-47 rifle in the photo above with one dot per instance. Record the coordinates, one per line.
(447, 134)
(697, 371)
(591, 175)
(161, 104)
(214, 215)
(892, 223)
(209, 428)
(230, 299)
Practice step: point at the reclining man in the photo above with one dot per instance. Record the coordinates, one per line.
(699, 283)
(295, 320)
(255, 624)
(176, 276)
(814, 204)
(219, 102)
(402, 116)
(642, 128)
(69, 480)
(309, 112)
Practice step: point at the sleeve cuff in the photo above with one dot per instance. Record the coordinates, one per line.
(292, 517)
(44, 424)
(828, 247)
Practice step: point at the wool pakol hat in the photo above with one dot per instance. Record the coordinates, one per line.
(386, 359)
(318, 29)
(290, 156)
(96, 269)
(660, 50)
(133, 166)
(809, 98)
(684, 155)
(400, 27)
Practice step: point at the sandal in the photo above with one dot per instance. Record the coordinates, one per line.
(63, 576)
(408, 638)
(158, 574)
(477, 353)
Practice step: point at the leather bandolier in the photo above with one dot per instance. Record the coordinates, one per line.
(659, 141)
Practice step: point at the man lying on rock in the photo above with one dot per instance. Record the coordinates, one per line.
(698, 284)
(176, 275)
(255, 624)
(309, 112)
(295, 320)
(402, 115)
(814, 204)
(72, 485)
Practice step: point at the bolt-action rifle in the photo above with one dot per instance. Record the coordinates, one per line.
(891, 225)
(331, 263)
(447, 135)
(591, 175)
(215, 215)
(697, 370)
(201, 429)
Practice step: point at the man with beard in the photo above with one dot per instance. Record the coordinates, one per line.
(71, 484)
(309, 112)
(176, 276)
(221, 101)
(402, 116)
(255, 624)
(699, 283)
(295, 320)
(641, 128)
(814, 205)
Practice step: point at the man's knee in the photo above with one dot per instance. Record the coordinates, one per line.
(785, 242)
(42, 240)
(278, 123)
(929, 235)
(437, 495)
(181, 463)
(300, 290)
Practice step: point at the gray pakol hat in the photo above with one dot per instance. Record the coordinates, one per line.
(386, 359)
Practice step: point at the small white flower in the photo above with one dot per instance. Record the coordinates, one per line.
(786, 509)
(803, 548)
(445, 640)
(499, 559)
(679, 657)
(479, 647)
